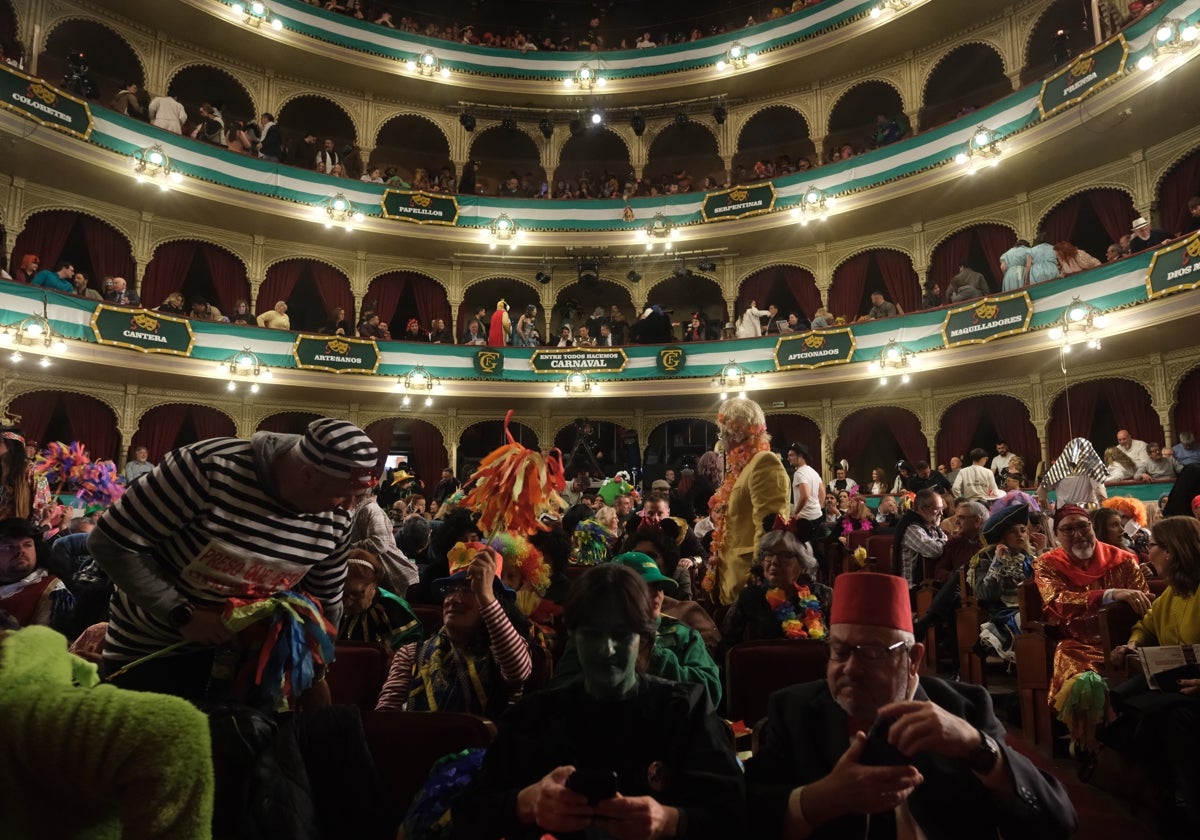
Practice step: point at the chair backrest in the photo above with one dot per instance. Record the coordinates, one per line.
(357, 674)
(430, 615)
(879, 548)
(755, 670)
(857, 539)
(1029, 601)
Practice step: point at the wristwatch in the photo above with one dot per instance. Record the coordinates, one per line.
(179, 616)
(983, 758)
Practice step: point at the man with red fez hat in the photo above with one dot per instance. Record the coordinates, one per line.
(936, 765)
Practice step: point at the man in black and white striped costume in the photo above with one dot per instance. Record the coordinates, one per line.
(226, 518)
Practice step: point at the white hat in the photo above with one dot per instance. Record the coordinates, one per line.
(1139, 222)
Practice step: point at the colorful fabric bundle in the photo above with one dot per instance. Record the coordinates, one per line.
(800, 619)
(1081, 704)
(61, 464)
(514, 486)
(590, 543)
(430, 817)
(518, 551)
(98, 484)
(298, 639)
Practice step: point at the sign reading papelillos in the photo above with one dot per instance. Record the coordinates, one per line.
(1084, 76)
(420, 207)
(336, 354)
(738, 203)
(489, 362)
(814, 349)
(1175, 268)
(44, 104)
(607, 360)
(991, 317)
(138, 329)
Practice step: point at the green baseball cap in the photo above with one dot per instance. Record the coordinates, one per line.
(645, 566)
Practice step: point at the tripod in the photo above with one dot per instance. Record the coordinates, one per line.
(582, 452)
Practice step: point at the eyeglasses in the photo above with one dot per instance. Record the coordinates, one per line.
(773, 557)
(840, 651)
(1081, 528)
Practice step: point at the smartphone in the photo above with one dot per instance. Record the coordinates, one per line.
(596, 785)
(877, 752)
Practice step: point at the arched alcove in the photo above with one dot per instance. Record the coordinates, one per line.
(982, 422)
(597, 447)
(670, 442)
(504, 154)
(92, 246)
(1181, 182)
(167, 427)
(1186, 416)
(786, 429)
(596, 153)
(577, 302)
(288, 422)
(201, 83)
(790, 287)
(1097, 409)
(682, 294)
(10, 39)
(689, 148)
(881, 269)
(774, 133)
(410, 141)
(852, 119)
(111, 61)
(881, 436)
(478, 440)
(66, 416)
(400, 295)
(485, 294)
(417, 440)
(969, 76)
(1042, 44)
(325, 119)
(197, 269)
(1090, 220)
(311, 289)
(979, 247)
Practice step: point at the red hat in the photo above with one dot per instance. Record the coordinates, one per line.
(1195, 502)
(1067, 510)
(872, 599)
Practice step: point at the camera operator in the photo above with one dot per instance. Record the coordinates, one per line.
(79, 80)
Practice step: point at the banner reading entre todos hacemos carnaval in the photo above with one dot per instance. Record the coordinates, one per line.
(1174, 269)
(336, 354)
(1084, 76)
(738, 202)
(814, 349)
(605, 360)
(979, 321)
(138, 329)
(420, 207)
(44, 104)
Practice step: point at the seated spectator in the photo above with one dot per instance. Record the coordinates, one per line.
(887, 515)
(371, 327)
(932, 298)
(968, 284)
(236, 139)
(1145, 238)
(880, 308)
(413, 332)
(241, 314)
(1120, 467)
(172, 305)
(583, 339)
(439, 333)
(475, 334)
(1193, 222)
(841, 481)
(121, 295)
(856, 518)
(887, 131)
(59, 279)
(1072, 260)
(28, 592)
(337, 323)
(696, 330)
(822, 319)
(371, 613)
(1159, 466)
(139, 466)
(27, 269)
(276, 318)
(996, 573)
(80, 281)
(919, 536)
(1113, 253)
(202, 310)
(564, 337)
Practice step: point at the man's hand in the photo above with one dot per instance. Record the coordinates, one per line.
(637, 818)
(853, 788)
(1144, 478)
(1121, 653)
(921, 726)
(481, 573)
(1136, 598)
(207, 628)
(317, 697)
(1189, 687)
(551, 806)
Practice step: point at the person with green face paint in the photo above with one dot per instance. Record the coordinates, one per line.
(672, 757)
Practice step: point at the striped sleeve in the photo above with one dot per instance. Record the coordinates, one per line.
(395, 689)
(509, 650)
(160, 504)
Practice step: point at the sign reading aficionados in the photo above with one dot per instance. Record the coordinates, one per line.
(991, 317)
(607, 360)
(420, 207)
(44, 104)
(138, 329)
(336, 354)
(1175, 268)
(814, 349)
(1085, 75)
(739, 202)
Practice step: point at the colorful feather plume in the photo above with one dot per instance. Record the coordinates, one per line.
(515, 486)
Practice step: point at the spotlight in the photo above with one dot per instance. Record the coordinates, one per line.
(681, 119)
(638, 124)
(589, 271)
(576, 126)
(719, 114)
(597, 118)
(509, 124)
(707, 266)
(682, 271)
(546, 126)
(467, 120)
(542, 277)
(633, 276)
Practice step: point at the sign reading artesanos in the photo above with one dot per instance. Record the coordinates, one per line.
(814, 349)
(1175, 269)
(138, 329)
(979, 321)
(336, 354)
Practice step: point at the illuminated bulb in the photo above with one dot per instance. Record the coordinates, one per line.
(491, 246)
(585, 73)
(1077, 314)
(981, 139)
(418, 379)
(244, 361)
(444, 72)
(674, 233)
(220, 367)
(883, 380)
(410, 65)
(1056, 333)
(736, 51)
(1100, 321)
(813, 197)
(721, 65)
(914, 361)
(596, 119)
(232, 386)
(568, 82)
(141, 178)
(961, 158)
(724, 395)
(742, 394)
(164, 186)
(254, 388)
(59, 346)
(277, 24)
(601, 82)
(45, 362)
(428, 401)
(904, 378)
(795, 211)
(1145, 62)
(357, 217)
(328, 223)
(752, 57)
(804, 222)
(258, 8)
(175, 178)
(876, 11)
(873, 366)
(238, 9)
(831, 201)
(16, 356)
(1094, 344)
(427, 60)
(33, 328)
(558, 389)
(1066, 348)
(893, 353)
(156, 158)
(1164, 33)
(6, 337)
(339, 205)
(666, 246)
(406, 401)
(1189, 33)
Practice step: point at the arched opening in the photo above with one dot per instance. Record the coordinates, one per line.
(594, 154)
(167, 427)
(417, 441)
(311, 289)
(1045, 49)
(983, 422)
(597, 447)
(198, 270)
(776, 134)
(679, 295)
(670, 442)
(1186, 416)
(66, 416)
(503, 155)
(786, 429)
(969, 77)
(682, 156)
(879, 437)
(879, 270)
(94, 247)
(485, 294)
(410, 141)
(10, 40)
(577, 303)
(978, 247)
(1090, 220)
(400, 295)
(109, 60)
(288, 422)
(791, 288)
(324, 119)
(201, 83)
(852, 120)
(1097, 409)
(1180, 183)
(480, 439)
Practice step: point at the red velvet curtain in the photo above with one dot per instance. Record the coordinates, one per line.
(385, 291)
(279, 283)
(431, 301)
(1010, 418)
(944, 263)
(959, 424)
(382, 433)
(334, 288)
(1180, 184)
(756, 288)
(1187, 404)
(903, 285)
(1132, 410)
(288, 422)
(93, 423)
(45, 235)
(228, 277)
(803, 287)
(211, 423)
(846, 290)
(429, 455)
(786, 429)
(1083, 398)
(167, 270)
(859, 428)
(994, 240)
(159, 430)
(1059, 223)
(35, 408)
(1115, 210)
(110, 252)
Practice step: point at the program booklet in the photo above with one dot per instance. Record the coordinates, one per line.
(1166, 665)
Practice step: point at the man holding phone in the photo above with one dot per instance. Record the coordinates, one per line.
(935, 763)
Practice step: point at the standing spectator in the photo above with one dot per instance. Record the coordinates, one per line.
(59, 279)
(1013, 265)
(466, 184)
(617, 324)
(121, 295)
(126, 100)
(327, 157)
(371, 327)
(1003, 457)
(1072, 260)
(139, 466)
(750, 324)
(1186, 452)
(1042, 262)
(968, 284)
(305, 152)
(1193, 223)
(242, 314)
(446, 486)
(28, 268)
(236, 139)
(277, 318)
(167, 113)
(270, 144)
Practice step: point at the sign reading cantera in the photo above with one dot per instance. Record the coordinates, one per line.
(335, 354)
(739, 202)
(1085, 75)
(814, 349)
(44, 104)
(991, 317)
(1175, 268)
(420, 207)
(608, 360)
(138, 329)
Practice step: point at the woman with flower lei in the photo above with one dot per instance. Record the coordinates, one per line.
(756, 488)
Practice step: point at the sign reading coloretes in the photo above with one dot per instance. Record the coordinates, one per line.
(138, 329)
(336, 354)
(420, 207)
(44, 104)
(814, 349)
(1175, 269)
(738, 202)
(1083, 76)
(607, 360)
(991, 317)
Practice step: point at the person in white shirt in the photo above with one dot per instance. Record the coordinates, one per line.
(976, 483)
(808, 493)
(167, 113)
(1137, 452)
(842, 482)
(750, 325)
(1003, 456)
(646, 42)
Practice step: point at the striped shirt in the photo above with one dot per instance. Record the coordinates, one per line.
(210, 522)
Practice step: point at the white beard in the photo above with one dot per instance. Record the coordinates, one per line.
(1083, 553)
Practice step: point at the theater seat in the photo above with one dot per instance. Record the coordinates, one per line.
(879, 551)
(430, 615)
(357, 674)
(755, 670)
